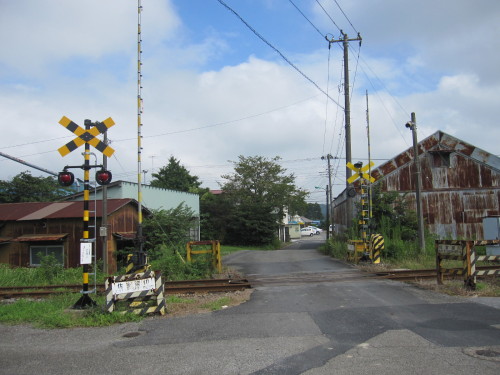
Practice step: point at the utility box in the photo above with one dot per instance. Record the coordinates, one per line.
(491, 231)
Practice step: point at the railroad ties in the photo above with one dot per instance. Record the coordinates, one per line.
(171, 287)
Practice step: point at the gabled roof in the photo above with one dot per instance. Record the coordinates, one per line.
(438, 142)
(56, 210)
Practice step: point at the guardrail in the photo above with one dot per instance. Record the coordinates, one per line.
(464, 251)
(214, 251)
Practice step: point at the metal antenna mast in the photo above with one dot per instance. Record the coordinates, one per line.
(139, 136)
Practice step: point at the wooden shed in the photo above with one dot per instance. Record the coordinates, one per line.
(460, 185)
(30, 229)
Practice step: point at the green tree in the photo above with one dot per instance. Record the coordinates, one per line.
(215, 213)
(392, 216)
(258, 190)
(313, 211)
(167, 227)
(175, 176)
(26, 188)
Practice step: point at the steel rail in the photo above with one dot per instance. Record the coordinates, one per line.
(171, 287)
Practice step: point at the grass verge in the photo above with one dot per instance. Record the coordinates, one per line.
(55, 312)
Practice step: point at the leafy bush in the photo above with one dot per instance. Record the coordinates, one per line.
(167, 227)
(171, 262)
(50, 268)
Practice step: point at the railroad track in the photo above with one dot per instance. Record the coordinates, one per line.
(227, 285)
(171, 287)
(409, 275)
(307, 278)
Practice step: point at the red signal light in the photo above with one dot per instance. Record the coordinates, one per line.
(103, 177)
(65, 178)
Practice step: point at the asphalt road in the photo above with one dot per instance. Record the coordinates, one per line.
(339, 324)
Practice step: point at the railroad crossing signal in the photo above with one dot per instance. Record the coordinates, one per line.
(103, 176)
(86, 136)
(66, 178)
(360, 172)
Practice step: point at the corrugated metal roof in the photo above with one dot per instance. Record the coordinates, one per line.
(45, 211)
(439, 141)
(40, 237)
(460, 185)
(56, 210)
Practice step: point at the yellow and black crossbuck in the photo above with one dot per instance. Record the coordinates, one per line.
(86, 136)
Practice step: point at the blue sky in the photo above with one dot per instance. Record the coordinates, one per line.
(213, 90)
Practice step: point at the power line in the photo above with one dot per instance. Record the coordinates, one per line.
(347, 18)
(328, 15)
(174, 132)
(277, 51)
(308, 20)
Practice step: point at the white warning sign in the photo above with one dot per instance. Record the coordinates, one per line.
(133, 286)
(85, 253)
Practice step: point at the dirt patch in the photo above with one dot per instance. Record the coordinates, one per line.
(188, 304)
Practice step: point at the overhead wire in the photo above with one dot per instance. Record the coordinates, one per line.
(277, 51)
(328, 75)
(328, 15)
(347, 18)
(308, 20)
(326, 104)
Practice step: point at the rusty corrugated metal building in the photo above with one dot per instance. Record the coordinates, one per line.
(28, 229)
(460, 185)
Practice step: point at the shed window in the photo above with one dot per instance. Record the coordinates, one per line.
(440, 159)
(37, 252)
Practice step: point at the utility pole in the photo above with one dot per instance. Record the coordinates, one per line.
(328, 205)
(369, 159)
(329, 194)
(347, 113)
(418, 183)
(328, 197)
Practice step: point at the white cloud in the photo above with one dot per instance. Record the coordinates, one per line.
(205, 117)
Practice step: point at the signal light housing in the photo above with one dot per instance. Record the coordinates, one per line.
(65, 178)
(103, 177)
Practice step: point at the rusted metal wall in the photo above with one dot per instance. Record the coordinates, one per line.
(460, 185)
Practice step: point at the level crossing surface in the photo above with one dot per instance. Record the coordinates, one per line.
(343, 325)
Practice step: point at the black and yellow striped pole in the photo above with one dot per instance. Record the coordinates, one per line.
(87, 136)
(85, 300)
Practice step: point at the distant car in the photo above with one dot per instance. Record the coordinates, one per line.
(316, 230)
(307, 232)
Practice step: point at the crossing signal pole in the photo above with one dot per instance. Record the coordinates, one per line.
(347, 112)
(87, 136)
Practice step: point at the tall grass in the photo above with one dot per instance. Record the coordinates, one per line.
(398, 250)
(55, 312)
(38, 276)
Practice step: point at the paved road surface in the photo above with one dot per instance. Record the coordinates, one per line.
(343, 325)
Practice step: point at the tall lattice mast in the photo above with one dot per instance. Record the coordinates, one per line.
(139, 126)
